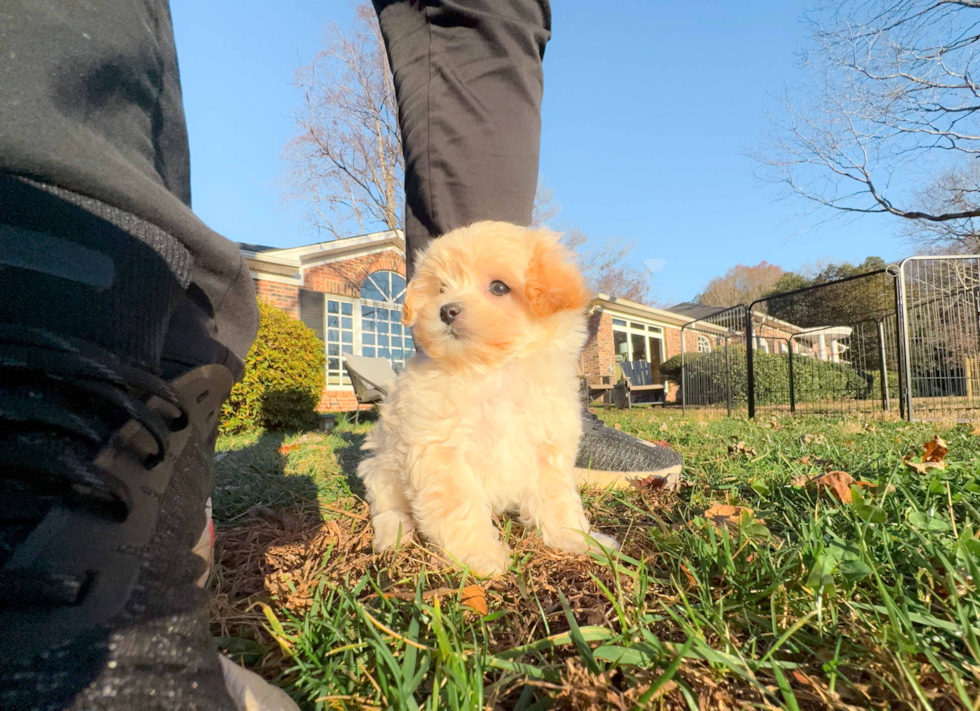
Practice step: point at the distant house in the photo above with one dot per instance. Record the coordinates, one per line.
(350, 292)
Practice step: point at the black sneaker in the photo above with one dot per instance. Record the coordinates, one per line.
(105, 465)
(608, 457)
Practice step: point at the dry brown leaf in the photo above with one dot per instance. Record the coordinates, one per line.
(690, 578)
(839, 484)
(617, 426)
(774, 424)
(935, 450)
(475, 598)
(740, 448)
(850, 444)
(655, 482)
(818, 438)
(921, 467)
(663, 427)
(724, 514)
(976, 430)
(800, 480)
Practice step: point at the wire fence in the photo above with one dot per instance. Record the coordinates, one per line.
(902, 340)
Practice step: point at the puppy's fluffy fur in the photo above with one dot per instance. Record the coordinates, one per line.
(486, 419)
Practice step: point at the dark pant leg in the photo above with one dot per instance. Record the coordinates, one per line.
(468, 79)
(90, 103)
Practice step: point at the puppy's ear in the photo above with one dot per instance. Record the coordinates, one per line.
(553, 282)
(413, 296)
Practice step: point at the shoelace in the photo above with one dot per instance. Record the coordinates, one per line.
(46, 449)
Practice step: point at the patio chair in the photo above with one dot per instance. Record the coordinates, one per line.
(372, 379)
(639, 385)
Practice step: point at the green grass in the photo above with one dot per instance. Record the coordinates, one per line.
(806, 603)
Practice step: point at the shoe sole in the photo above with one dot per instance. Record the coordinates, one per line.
(622, 480)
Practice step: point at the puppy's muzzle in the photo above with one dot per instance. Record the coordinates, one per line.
(449, 312)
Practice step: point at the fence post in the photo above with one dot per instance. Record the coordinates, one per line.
(898, 346)
(903, 318)
(792, 382)
(749, 371)
(728, 375)
(683, 373)
(885, 404)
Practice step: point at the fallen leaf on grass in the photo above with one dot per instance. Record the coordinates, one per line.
(921, 467)
(839, 484)
(617, 426)
(664, 427)
(690, 578)
(475, 598)
(818, 438)
(808, 461)
(720, 514)
(935, 450)
(775, 424)
(740, 448)
(850, 444)
(655, 482)
(659, 442)
(800, 480)
(976, 430)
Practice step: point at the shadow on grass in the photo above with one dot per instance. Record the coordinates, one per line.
(349, 456)
(253, 474)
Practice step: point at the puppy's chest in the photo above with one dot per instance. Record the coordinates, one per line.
(507, 412)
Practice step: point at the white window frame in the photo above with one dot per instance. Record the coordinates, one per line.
(630, 329)
(704, 344)
(356, 303)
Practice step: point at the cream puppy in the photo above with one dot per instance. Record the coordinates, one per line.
(487, 418)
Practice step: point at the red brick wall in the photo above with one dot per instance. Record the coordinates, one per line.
(345, 277)
(339, 401)
(598, 357)
(285, 296)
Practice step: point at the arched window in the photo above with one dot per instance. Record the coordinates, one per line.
(382, 335)
(704, 344)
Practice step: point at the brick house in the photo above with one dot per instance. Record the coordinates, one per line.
(350, 292)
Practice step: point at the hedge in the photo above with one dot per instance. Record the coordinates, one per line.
(814, 379)
(284, 377)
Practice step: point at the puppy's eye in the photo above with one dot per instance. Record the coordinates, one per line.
(498, 288)
(442, 288)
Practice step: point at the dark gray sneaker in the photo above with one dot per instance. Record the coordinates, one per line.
(608, 457)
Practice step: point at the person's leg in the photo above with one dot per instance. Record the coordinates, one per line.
(123, 321)
(469, 82)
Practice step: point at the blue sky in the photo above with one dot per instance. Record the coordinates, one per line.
(649, 107)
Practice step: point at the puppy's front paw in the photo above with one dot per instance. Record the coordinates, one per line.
(607, 542)
(391, 528)
(489, 563)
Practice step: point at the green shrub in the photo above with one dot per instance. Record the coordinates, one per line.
(813, 379)
(284, 377)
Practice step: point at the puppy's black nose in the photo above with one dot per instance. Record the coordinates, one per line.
(449, 312)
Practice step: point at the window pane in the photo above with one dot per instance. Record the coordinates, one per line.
(396, 328)
(618, 322)
(382, 327)
(382, 314)
(346, 308)
(384, 353)
(348, 337)
(333, 349)
(349, 349)
(333, 336)
(368, 311)
(367, 339)
(656, 329)
(333, 307)
(396, 341)
(333, 322)
(639, 344)
(396, 353)
(620, 345)
(367, 352)
(370, 291)
(382, 340)
(640, 326)
(333, 363)
(347, 322)
(367, 324)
